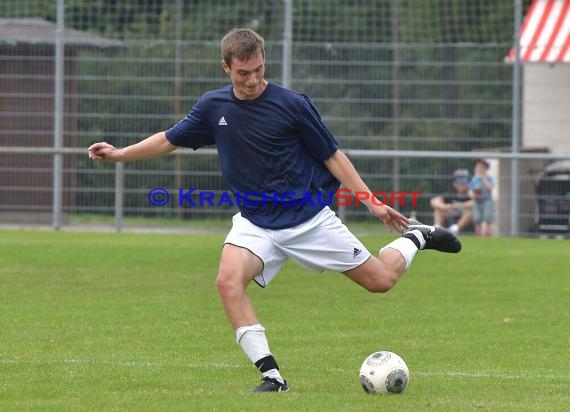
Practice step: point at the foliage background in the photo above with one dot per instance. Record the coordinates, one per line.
(385, 74)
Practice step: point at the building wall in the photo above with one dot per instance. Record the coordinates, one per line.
(546, 107)
(530, 172)
(26, 116)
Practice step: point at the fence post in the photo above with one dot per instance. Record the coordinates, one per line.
(396, 93)
(59, 56)
(119, 195)
(516, 119)
(287, 43)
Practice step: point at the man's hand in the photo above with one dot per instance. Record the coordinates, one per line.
(103, 151)
(393, 219)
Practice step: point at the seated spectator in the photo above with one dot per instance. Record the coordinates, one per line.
(454, 210)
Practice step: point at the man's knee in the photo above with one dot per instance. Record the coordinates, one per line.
(227, 283)
(374, 279)
(379, 275)
(380, 284)
(237, 267)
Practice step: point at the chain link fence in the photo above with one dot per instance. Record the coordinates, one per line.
(400, 83)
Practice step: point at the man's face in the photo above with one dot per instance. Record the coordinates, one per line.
(461, 187)
(247, 76)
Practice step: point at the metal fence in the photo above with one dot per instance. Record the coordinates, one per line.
(412, 90)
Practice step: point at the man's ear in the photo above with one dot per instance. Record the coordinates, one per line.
(226, 67)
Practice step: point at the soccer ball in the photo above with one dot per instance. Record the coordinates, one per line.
(384, 373)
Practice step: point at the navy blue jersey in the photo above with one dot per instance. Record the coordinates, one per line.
(271, 148)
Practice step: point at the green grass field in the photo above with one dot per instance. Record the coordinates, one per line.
(104, 321)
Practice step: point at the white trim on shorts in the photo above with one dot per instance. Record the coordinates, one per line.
(321, 243)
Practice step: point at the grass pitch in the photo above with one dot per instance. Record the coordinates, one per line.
(101, 321)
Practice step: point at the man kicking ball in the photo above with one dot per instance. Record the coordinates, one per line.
(271, 141)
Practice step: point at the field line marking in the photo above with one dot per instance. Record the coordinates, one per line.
(225, 365)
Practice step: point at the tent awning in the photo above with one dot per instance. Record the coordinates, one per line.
(545, 33)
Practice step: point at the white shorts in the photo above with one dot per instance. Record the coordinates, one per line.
(322, 242)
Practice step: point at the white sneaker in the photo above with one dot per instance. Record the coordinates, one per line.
(453, 229)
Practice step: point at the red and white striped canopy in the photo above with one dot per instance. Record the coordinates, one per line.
(545, 33)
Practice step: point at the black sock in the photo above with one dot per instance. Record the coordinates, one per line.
(267, 363)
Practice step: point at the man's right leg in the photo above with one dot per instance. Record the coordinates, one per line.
(465, 219)
(439, 216)
(238, 266)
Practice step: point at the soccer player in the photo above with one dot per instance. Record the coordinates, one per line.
(272, 141)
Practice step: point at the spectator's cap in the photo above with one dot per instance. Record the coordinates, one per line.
(461, 176)
(483, 162)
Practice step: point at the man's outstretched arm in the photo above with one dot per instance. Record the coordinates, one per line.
(342, 168)
(154, 146)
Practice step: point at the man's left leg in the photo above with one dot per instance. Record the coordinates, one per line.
(381, 274)
(237, 267)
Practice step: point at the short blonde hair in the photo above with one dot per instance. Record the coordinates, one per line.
(241, 44)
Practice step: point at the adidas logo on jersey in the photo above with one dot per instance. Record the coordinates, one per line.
(356, 252)
(222, 122)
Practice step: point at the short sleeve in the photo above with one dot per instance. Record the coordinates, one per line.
(314, 134)
(192, 130)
